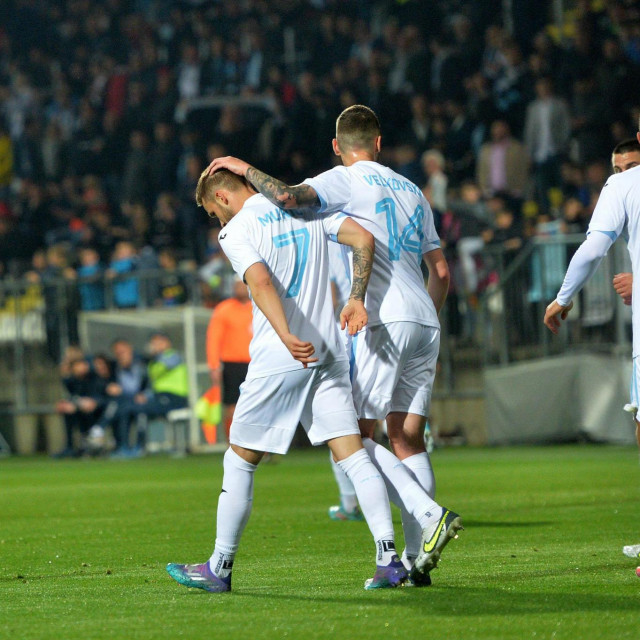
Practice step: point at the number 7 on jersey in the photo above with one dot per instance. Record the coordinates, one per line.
(300, 238)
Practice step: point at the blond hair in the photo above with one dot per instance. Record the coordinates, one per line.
(223, 179)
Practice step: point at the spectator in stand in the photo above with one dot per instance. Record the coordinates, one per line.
(466, 42)
(579, 59)
(135, 178)
(165, 231)
(435, 190)
(84, 404)
(511, 88)
(616, 79)
(188, 72)
(508, 237)
(27, 157)
(53, 150)
(459, 142)
(503, 163)
(447, 71)
(172, 284)
(213, 68)
(60, 301)
(546, 136)
(122, 270)
(90, 280)
(493, 59)
(419, 126)
(472, 217)
(588, 120)
(165, 98)
(163, 158)
(228, 336)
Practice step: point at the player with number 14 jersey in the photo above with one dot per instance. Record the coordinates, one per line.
(396, 212)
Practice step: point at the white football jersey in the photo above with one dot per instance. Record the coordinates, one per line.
(293, 246)
(396, 212)
(340, 271)
(619, 204)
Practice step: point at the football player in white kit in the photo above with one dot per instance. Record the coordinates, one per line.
(619, 203)
(299, 371)
(394, 359)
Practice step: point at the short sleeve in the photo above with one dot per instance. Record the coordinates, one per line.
(239, 246)
(333, 188)
(332, 224)
(430, 239)
(609, 215)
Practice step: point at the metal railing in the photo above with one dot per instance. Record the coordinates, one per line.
(513, 308)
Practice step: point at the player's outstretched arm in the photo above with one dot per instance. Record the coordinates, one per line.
(268, 301)
(438, 285)
(362, 243)
(281, 194)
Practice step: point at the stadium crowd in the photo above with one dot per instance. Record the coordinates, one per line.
(508, 129)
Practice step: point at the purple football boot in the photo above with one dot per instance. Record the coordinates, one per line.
(198, 576)
(388, 576)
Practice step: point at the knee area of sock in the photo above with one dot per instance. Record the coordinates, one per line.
(232, 459)
(355, 461)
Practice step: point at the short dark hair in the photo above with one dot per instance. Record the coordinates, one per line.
(357, 127)
(625, 146)
(207, 184)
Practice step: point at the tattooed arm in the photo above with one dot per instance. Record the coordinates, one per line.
(362, 244)
(281, 194)
(284, 196)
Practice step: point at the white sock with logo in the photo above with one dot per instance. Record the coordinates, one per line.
(234, 509)
(403, 489)
(348, 498)
(372, 496)
(419, 467)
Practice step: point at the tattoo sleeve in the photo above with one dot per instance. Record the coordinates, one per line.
(281, 194)
(362, 264)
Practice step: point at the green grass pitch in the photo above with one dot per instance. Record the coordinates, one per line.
(83, 545)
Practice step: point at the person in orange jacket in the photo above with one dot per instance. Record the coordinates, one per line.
(228, 337)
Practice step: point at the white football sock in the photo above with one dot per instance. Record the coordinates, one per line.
(348, 498)
(419, 467)
(372, 496)
(234, 509)
(403, 489)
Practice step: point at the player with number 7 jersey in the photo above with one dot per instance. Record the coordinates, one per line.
(298, 371)
(261, 232)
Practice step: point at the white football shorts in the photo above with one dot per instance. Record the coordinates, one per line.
(634, 392)
(393, 367)
(270, 408)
